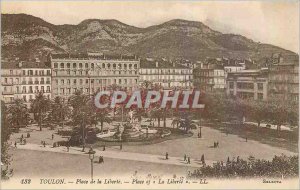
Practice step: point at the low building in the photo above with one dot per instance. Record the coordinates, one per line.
(251, 84)
(23, 80)
(166, 74)
(91, 72)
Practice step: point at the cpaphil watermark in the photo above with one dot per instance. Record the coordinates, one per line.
(188, 99)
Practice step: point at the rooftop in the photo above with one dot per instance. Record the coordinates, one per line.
(89, 55)
(161, 64)
(23, 64)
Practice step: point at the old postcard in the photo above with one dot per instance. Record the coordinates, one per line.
(149, 94)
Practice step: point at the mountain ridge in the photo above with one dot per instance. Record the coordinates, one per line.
(27, 36)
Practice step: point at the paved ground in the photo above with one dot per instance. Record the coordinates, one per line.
(161, 159)
(44, 164)
(35, 159)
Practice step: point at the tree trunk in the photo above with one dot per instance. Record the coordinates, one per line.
(83, 137)
(40, 121)
(158, 122)
(258, 124)
(278, 127)
(165, 121)
(101, 125)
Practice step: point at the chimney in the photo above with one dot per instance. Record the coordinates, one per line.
(156, 64)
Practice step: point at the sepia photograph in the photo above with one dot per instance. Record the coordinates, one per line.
(149, 94)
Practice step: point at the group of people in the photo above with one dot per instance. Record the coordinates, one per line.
(187, 159)
(22, 139)
(216, 144)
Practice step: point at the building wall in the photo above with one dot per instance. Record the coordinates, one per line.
(209, 79)
(167, 77)
(35, 80)
(284, 81)
(24, 83)
(90, 75)
(243, 86)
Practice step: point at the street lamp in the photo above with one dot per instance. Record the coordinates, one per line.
(91, 156)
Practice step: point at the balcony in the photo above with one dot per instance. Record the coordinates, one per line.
(42, 82)
(36, 82)
(30, 82)
(7, 93)
(47, 82)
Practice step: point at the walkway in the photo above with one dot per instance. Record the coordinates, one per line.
(159, 159)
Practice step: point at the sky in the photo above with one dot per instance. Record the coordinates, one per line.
(273, 22)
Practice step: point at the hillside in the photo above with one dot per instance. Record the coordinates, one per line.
(26, 36)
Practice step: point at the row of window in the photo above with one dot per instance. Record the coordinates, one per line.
(99, 73)
(37, 72)
(28, 89)
(92, 65)
(31, 97)
(165, 71)
(244, 85)
(29, 81)
(92, 81)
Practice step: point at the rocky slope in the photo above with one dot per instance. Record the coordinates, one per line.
(26, 36)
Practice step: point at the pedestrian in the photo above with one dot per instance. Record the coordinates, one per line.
(200, 134)
(184, 158)
(22, 136)
(238, 159)
(167, 156)
(202, 159)
(214, 144)
(121, 146)
(102, 159)
(246, 139)
(68, 147)
(24, 141)
(28, 135)
(188, 160)
(15, 144)
(104, 148)
(217, 144)
(44, 143)
(52, 136)
(99, 159)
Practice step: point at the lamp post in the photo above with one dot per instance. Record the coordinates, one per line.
(91, 156)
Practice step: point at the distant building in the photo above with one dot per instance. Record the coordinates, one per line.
(209, 77)
(91, 72)
(251, 84)
(166, 74)
(23, 80)
(284, 77)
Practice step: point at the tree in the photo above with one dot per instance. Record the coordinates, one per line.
(5, 135)
(40, 106)
(101, 116)
(18, 115)
(59, 110)
(257, 110)
(82, 113)
(147, 84)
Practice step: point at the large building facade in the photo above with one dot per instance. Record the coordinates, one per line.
(209, 77)
(23, 80)
(251, 84)
(92, 72)
(166, 74)
(284, 78)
